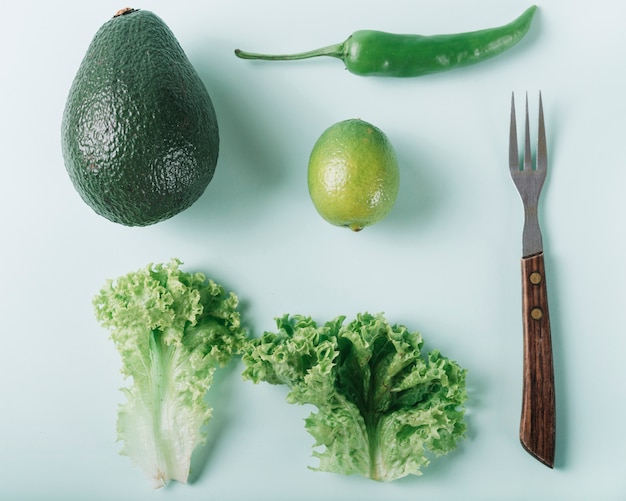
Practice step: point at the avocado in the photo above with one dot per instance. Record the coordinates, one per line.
(140, 136)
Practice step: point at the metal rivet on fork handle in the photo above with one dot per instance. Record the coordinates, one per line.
(536, 313)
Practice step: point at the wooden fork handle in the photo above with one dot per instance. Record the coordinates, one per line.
(538, 420)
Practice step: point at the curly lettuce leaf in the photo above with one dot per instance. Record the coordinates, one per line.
(172, 330)
(383, 407)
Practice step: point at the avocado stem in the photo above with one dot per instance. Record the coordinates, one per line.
(335, 50)
(125, 10)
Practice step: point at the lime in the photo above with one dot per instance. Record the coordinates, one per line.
(353, 174)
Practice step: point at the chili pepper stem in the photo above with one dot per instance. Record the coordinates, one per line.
(335, 50)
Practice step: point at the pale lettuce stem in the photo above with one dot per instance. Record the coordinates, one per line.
(373, 418)
(372, 425)
(375, 450)
(159, 381)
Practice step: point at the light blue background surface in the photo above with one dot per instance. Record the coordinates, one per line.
(445, 262)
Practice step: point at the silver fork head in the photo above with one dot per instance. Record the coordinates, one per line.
(528, 179)
(525, 170)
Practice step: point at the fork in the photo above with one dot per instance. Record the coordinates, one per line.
(538, 417)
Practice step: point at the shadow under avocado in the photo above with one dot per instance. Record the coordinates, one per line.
(251, 161)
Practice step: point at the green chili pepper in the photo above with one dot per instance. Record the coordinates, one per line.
(368, 52)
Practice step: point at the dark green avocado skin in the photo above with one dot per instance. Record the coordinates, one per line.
(139, 133)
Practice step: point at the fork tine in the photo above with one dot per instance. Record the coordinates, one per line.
(542, 151)
(528, 161)
(514, 163)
